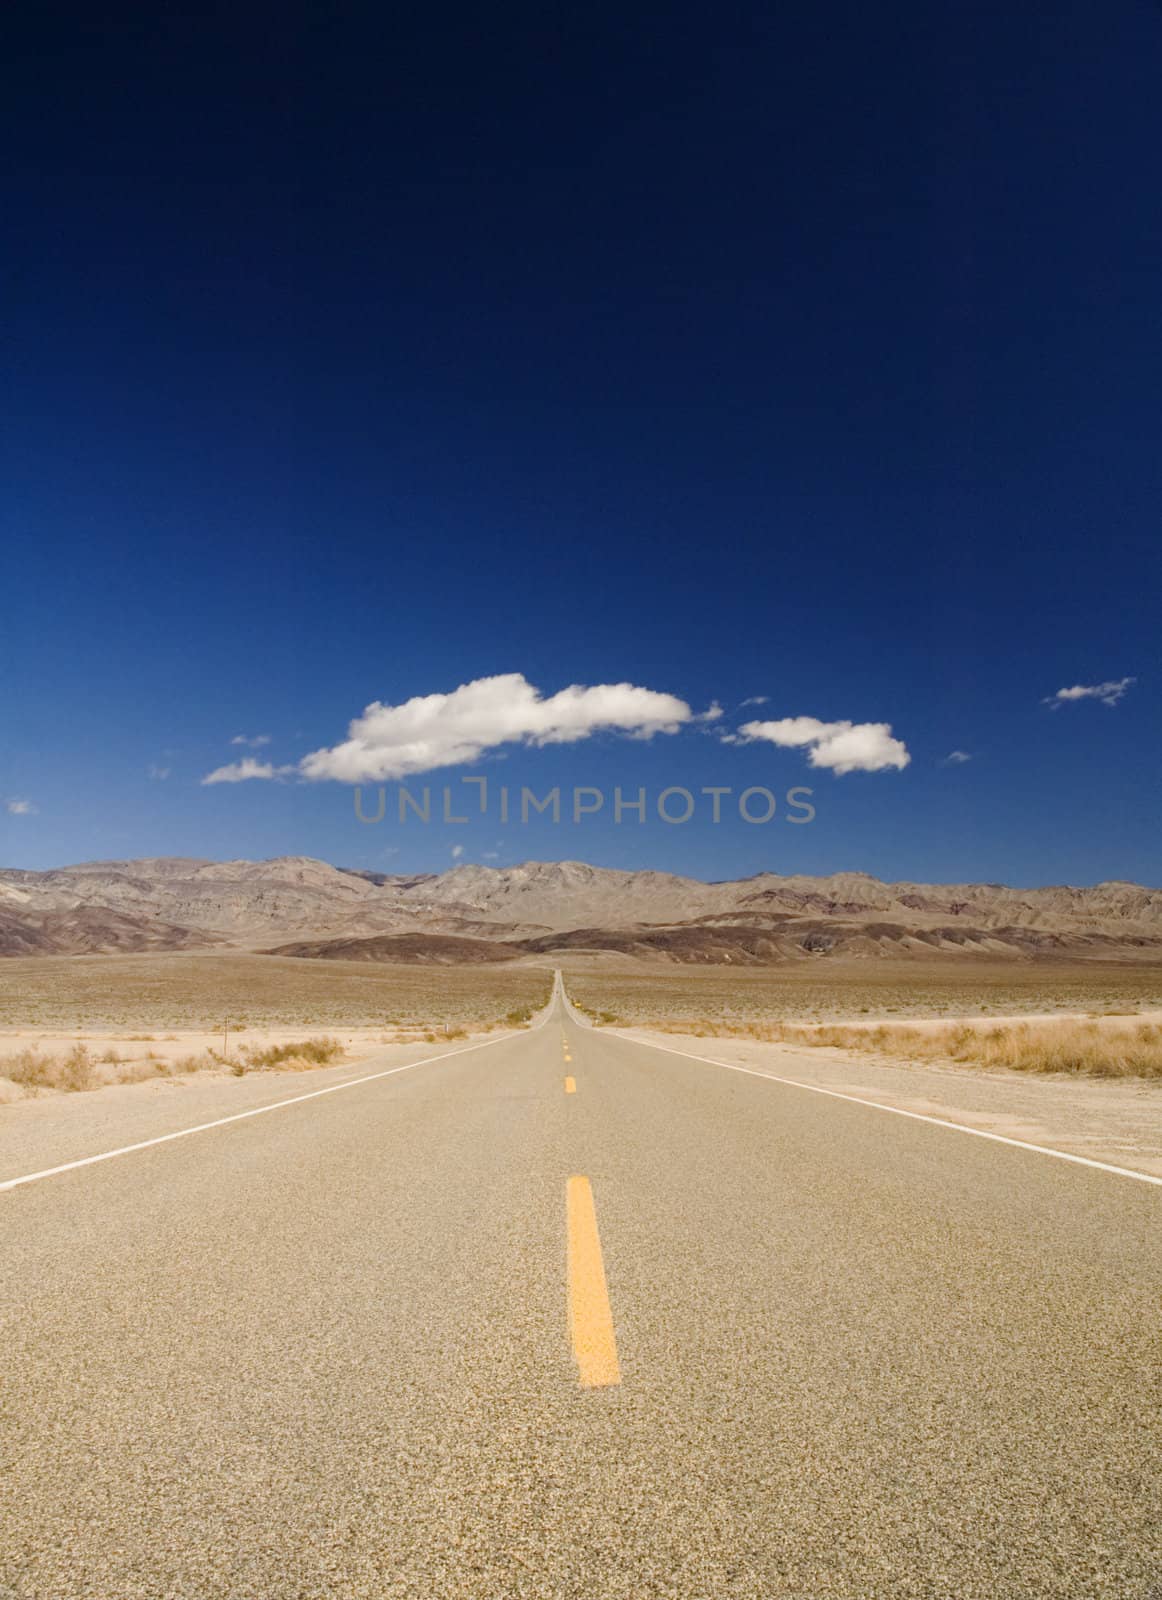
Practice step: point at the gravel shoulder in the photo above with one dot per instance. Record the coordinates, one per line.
(49, 1129)
(1115, 1121)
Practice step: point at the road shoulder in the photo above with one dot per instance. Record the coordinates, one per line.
(48, 1130)
(1116, 1121)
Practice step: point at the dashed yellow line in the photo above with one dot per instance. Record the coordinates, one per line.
(590, 1316)
(570, 1086)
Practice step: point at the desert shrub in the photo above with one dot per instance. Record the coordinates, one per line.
(30, 1069)
(78, 1070)
(1081, 1048)
(71, 1073)
(299, 1055)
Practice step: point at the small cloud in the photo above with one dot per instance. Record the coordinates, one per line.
(956, 758)
(457, 851)
(1107, 693)
(19, 808)
(251, 741)
(842, 746)
(242, 771)
(491, 855)
(753, 700)
(160, 773)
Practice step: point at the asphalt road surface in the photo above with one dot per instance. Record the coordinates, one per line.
(566, 1315)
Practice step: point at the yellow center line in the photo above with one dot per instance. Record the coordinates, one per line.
(570, 1086)
(590, 1317)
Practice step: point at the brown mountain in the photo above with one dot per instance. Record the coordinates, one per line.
(420, 949)
(90, 930)
(539, 908)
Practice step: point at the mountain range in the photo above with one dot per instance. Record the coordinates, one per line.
(296, 905)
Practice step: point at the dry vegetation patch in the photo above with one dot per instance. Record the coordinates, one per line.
(75, 1023)
(838, 1011)
(30, 1071)
(1088, 1048)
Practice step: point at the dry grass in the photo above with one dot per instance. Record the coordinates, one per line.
(71, 1073)
(197, 991)
(519, 1017)
(851, 1008)
(288, 1057)
(1086, 1049)
(32, 1071)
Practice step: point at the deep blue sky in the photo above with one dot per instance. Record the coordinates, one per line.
(804, 351)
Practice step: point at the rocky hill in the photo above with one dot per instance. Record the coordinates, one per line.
(540, 908)
(91, 930)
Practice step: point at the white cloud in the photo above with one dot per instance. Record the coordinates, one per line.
(842, 746)
(160, 773)
(253, 742)
(491, 855)
(19, 808)
(457, 851)
(956, 758)
(241, 771)
(442, 730)
(754, 700)
(1108, 693)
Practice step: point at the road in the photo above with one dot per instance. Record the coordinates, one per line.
(565, 1315)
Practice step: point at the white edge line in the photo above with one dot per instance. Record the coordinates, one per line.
(915, 1116)
(240, 1116)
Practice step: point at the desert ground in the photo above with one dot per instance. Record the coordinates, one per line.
(136, 1019)
(169, 992)
(1067, 1056)
(1063, 1057)
(90, 1022)
(824, 991)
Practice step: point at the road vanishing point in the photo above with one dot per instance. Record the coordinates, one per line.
(567, 1315)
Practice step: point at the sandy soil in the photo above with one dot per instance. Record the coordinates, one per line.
(190, 1041)
(1113, 1019)
(161, 1052)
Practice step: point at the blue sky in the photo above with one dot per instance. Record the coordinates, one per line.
(722, 353)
